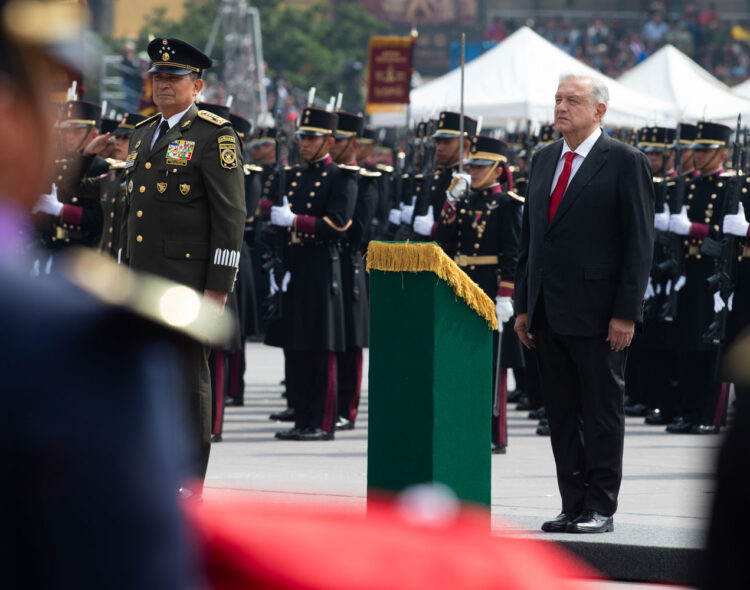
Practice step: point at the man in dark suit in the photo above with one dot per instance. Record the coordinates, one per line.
(585, 256)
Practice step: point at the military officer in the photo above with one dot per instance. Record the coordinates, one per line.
(702, 394)
(108, 189)
(186, 199)
(448, 170)
(316, 213)
(483, 228)
(81, 224)
(353, 279)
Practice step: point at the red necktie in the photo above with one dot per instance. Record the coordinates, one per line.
(562, 184)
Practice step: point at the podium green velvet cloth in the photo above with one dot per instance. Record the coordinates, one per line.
(430, 378)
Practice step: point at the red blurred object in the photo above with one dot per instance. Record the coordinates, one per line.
(263, 545)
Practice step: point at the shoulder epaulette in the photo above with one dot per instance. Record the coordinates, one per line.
(349, 168)
(149, 120)
(369, 173)
(515, 197)
(215, 119)
(671, 183)
(658, 179)
(115, 165)
(384, 168)
(513, 168)
(252, 168)
(728, 173)
(286, 168)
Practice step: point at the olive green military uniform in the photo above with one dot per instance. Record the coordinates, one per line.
(186, 217)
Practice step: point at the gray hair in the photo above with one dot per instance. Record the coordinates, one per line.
(599, 91)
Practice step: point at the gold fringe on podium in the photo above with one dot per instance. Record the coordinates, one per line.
(429, 257)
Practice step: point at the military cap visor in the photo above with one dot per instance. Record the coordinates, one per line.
(173, 56)
(128, 123)
(317, 122)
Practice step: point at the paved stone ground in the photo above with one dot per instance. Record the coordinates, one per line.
(666, 491)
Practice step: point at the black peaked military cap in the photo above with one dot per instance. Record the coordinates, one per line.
(547, 134)
(263, 135)
(81, 113)
(656, 139)
(217, 109)
(449, 125)
(317, 122)
(349, 125)
(242, 126)
(688, 133)
(369, 135)
(108, 125)
(172, 56)
(711, 135)
(128, 123)
(485, 151)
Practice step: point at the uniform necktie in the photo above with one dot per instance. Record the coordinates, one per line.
(562, 184)
(163, 128)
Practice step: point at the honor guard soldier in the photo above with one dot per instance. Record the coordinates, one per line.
(483, 227)
(76, 190)
(109, 125)
(702, 394)
(316, 214)
(448, 173)
(354, 281)
(405, 185)
(186, 198)
(81, 225)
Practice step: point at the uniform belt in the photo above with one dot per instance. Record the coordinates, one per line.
(463, 260)
(746, 251)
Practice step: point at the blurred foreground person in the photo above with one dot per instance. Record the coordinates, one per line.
(87, 433)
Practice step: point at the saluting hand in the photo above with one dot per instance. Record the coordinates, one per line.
(620, 333)
(97, 145)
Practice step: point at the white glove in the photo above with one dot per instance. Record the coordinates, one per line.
(730, 302)
(394, 216)
(661, 220)
(423, 223)
(718, 302)
(503, 309)
(736, 224)
(274, 288)
(680, 283)
(407, 211)
(48, 203)
(460, 183)
(285, 281)
(679, 223)
(649, 290)
(282, 216)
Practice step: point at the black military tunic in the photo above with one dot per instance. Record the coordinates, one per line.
(434, 193)
(108, 189)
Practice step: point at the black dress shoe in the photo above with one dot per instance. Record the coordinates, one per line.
(590, 521)
(498, 449)
(679, 426)
(315, 434)
(704, 429)
(291, 434)
(515, 396)
(234, 401)
(543, 429)
(344, 424)
(636, 410)
(284, 416)
(538, 414)
(215, 438)
(524, 404)
(558, 524)
(656, 417)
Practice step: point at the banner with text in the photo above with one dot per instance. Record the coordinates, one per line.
(389, 74)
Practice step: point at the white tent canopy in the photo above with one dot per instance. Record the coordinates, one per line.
(516, 80)
(742, 89)
(672, 76)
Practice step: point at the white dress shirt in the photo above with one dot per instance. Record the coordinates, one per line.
(581, 152)
(172, 121)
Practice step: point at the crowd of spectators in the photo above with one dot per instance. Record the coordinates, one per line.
(614, 46)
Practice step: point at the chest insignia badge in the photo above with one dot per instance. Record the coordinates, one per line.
(161, 187)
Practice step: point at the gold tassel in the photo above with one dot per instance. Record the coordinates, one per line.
(429, 257)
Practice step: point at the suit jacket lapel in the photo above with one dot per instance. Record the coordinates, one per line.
(174, 132)
(590, 166)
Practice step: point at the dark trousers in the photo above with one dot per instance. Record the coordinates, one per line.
(349, 370)
(703, 395)
(583, 384)
(198, 377)
(311, 388)
(218, 363)
(532, 381)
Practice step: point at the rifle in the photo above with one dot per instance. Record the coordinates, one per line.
(668, 271)
(274, 264)
(722, 250)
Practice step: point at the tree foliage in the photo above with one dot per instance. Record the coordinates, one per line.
(322, 44)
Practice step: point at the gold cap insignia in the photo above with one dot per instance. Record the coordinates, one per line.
(165, 56)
